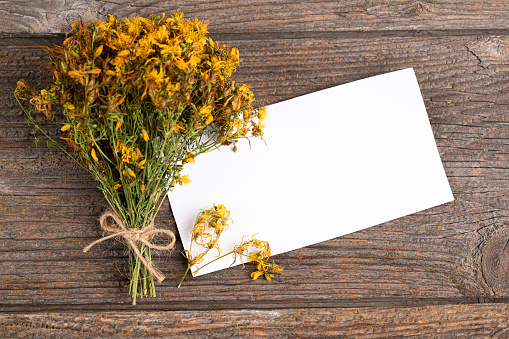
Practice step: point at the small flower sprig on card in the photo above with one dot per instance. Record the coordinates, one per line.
(209, 226)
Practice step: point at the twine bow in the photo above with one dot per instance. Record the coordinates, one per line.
(132, 235)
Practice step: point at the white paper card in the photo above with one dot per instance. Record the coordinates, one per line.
(332, 162)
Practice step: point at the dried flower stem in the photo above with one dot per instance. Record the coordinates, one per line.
(208, 227)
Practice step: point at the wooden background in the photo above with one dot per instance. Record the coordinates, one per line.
(441, 273)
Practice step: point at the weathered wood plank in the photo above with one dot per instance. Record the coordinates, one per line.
(447, 254)
(448, 321)
(266, 15)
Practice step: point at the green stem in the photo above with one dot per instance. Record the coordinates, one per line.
(182, 280)
(133, 286)
(39, 129)
(210, 262)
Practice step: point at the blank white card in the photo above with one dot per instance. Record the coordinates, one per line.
(332, 162)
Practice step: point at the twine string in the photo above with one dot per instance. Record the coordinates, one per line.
(132, 235)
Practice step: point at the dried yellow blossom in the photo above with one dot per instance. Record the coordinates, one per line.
(181, 64)
(145, 135)
(94, 156)
(208, 227)
(131, 173)
(205, 110)
(262, 113)
(183, 179)
(178, 128)
(69, 106)
(255, 275)
(99, 50)
(189, 158)
(123, 53)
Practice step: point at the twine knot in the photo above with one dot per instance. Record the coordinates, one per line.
(133, 235)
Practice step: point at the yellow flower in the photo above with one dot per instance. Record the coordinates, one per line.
(255, 275)
(94, 155)
(142, 188)
(221, 210)
(181, 64)
(119, 61)
(154, 75)
(183, 179)
(69, 106)
(210, 118)
(123, 53)
(262, 113)
(99, 50)
(173, 49)
(145, 135)
(189, 158)
(126, 154)
(65, 127)
(205, 110)
(117, 186)
(131, 173)
(236, 103)
(234, 53)
(119, 123)
(178, 128)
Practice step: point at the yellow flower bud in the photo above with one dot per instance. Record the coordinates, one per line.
(125, 52)
(99, 50)
(256, 275)
(205, 110)
(145, 135)
(69, 106)
(131, 173)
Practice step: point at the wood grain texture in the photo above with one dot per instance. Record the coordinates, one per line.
(50, 207)
(266, 15)
(451, 321)
(425, 275)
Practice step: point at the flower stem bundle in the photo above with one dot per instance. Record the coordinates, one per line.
(141, 98)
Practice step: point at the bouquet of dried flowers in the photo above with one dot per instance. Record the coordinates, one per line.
(141, 98)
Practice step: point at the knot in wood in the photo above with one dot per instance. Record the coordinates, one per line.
(419, 8)
(495, 261)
